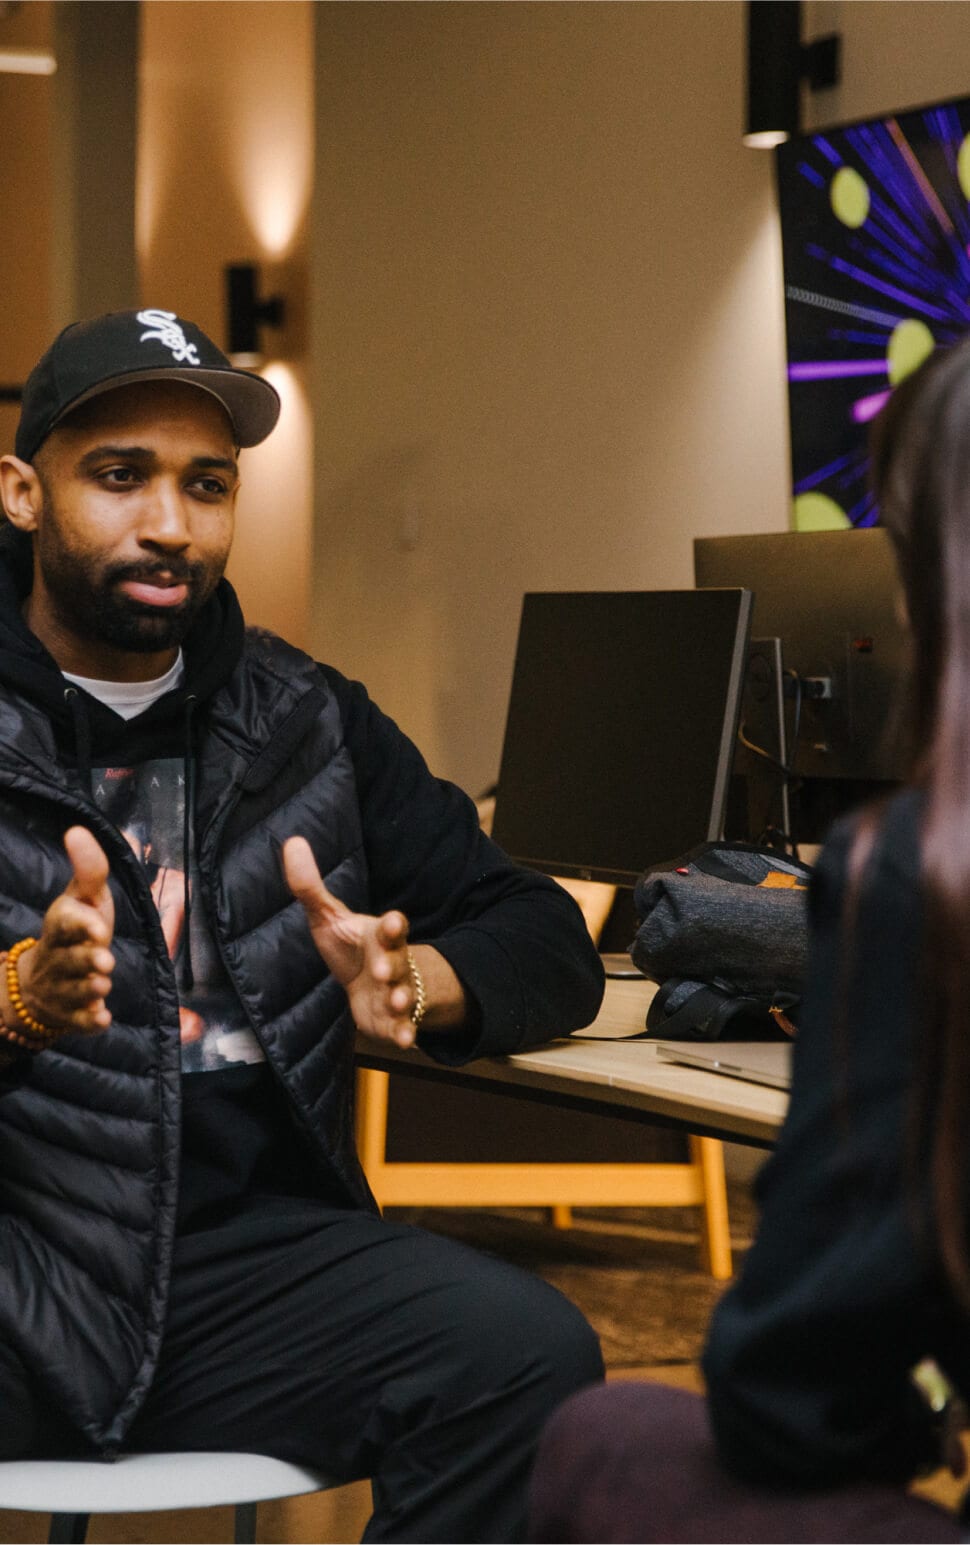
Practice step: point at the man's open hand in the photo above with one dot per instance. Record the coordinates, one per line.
(66, 976)
(367, 955)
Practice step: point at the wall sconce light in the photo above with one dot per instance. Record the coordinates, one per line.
(778, 62)
(15, 59)
(26, 61)
(246, 314)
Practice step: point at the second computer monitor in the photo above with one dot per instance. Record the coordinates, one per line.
(832, 598)
(621, 727)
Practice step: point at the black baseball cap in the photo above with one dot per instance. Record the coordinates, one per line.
(89, 358)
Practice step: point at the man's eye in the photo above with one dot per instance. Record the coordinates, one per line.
(211, 487)
(118, 477)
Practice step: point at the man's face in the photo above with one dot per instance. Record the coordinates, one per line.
(133, 520)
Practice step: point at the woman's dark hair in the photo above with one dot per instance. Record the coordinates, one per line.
(921, 477)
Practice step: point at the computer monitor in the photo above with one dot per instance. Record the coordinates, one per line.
(832, 599)
(621, 727)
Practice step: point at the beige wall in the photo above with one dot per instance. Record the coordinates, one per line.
(548, 317)
(26, 119)
(895, 54)
(225, 167)
(548, 331)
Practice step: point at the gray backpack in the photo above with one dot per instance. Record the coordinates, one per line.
(724, 931)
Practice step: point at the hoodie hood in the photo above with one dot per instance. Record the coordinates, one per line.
(211, 652)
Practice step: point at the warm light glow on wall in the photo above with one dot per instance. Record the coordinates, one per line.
(280, 463)
(286, 455)
(26, 61)
(252, 121)
(272, 175)
(292, 394)
(225, 146)
(150, 180)
(270, 564)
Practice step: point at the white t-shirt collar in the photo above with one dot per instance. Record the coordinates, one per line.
(130, 698)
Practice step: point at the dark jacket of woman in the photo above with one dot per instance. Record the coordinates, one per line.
(810, 1353)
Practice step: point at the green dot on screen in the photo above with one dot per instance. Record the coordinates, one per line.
(963, 167)
(849, 197)
(910, 342)
(817, 512)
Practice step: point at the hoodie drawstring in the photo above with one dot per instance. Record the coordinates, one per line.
(82, 734)
(188, 827)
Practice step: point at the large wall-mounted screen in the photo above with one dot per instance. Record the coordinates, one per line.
(875, 220)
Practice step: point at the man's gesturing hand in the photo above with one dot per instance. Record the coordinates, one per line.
(66, 976)
(367, 955)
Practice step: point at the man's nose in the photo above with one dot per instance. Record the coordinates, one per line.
(163, 518)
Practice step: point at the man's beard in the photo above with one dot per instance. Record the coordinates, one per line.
(92, 604)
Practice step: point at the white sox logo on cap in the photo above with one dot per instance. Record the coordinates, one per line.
(95, 356)
(168, 332)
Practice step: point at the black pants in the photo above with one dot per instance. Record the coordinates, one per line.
(362, 1348)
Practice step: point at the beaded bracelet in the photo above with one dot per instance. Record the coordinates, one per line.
(420, 996)
(13, 1036)
(38, 1032)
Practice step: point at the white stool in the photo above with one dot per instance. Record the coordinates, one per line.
(72, 1489)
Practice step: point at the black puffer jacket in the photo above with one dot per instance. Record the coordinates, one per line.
(89, 1129)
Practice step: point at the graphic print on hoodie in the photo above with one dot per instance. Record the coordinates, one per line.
(147, 804)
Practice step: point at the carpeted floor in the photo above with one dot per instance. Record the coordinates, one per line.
(635, 1272)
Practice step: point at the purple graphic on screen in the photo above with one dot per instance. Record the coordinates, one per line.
(826, 369)
(876, 243)
(867, 407)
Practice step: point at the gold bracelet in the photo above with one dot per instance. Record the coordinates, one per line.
(38, 1030)
(420, 996)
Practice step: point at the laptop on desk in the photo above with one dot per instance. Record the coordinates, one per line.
(760, 1062)
(619, 967)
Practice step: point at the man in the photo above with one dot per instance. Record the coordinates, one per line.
(216, 859)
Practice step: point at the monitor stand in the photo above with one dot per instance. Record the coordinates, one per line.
(766, 803)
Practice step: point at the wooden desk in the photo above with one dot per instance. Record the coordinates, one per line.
(621, 1079)
(624, 1079)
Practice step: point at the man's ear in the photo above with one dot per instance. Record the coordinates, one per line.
(20, 492)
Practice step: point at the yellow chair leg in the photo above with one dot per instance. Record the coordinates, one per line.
(371, 1124)
(708, 1153)
(701, 1182)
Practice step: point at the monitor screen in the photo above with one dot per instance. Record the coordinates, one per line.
(832, 598)
(620, 729)
(875, 227)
